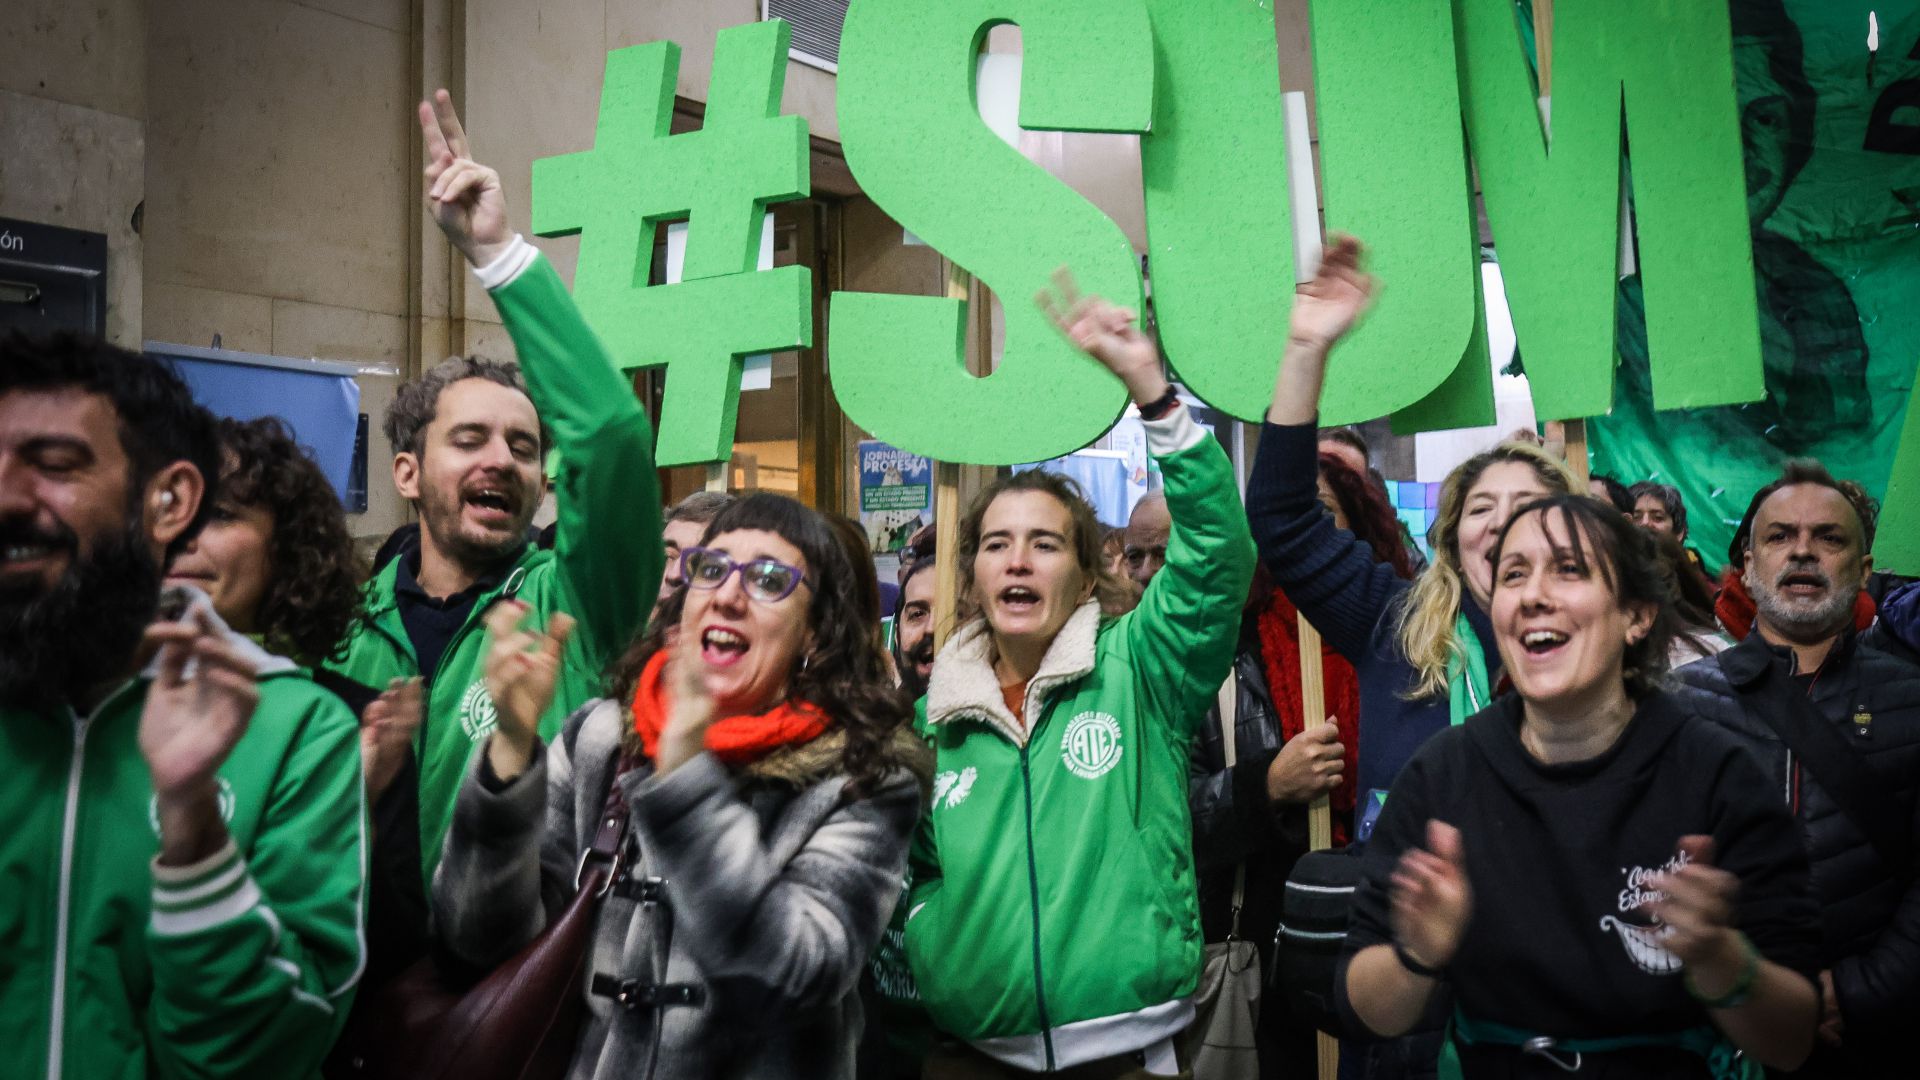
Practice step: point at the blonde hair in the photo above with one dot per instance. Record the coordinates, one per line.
(1432, 606)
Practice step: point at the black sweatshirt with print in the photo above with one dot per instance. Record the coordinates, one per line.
(1560, 942)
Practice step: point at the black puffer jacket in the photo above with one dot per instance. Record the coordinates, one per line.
(1232, 818)
(1870, 919)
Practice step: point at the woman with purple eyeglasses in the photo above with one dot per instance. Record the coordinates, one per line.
(761, 758)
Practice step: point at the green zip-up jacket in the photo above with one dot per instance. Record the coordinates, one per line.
(604, 569)
(242, 965)
(1053, 917)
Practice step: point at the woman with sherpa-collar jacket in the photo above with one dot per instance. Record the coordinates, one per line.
(1053, 920)
(770, 783)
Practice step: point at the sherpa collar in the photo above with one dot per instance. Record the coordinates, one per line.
(964, 685)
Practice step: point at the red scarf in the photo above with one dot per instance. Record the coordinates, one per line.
(1279, 626)
(735, 740)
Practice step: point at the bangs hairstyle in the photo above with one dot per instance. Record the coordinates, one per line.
(845, 675)
(1591, 534)
(1432, 605)
(1087, 538)
(313, 592)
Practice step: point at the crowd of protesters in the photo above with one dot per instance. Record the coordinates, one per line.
(276, 814)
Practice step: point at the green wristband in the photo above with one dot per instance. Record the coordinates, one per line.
(1742, 989)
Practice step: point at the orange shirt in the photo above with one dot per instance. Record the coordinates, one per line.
(1016, 698)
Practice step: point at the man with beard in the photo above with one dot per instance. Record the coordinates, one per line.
(184, 834)
(913, 626)
(468, 449)
(1836, 722)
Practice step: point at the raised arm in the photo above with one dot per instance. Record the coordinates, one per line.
(608, 543)
(1331, 576)
(1183, 633)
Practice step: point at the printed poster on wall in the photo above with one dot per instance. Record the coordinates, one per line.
(896, 495)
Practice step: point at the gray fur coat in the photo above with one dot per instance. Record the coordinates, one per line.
(765, 891)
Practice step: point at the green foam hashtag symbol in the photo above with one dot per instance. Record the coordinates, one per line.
(721, 179)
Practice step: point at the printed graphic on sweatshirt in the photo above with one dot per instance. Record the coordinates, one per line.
(950, 789)
(1645, 942)
(477, 717)
(226, 805)
(1091, 745)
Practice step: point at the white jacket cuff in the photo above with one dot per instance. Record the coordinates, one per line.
(508, 265)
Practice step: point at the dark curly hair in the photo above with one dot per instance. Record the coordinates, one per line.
(1369, 517)
(313, 597)
(1596, 538)
(845, 675)
(418, 401)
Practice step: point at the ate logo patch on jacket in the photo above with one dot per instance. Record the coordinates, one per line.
(477, 715)
(1091, 745)
(227, 802)
(1645, 944)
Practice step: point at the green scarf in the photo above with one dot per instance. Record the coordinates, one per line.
(1468, 690)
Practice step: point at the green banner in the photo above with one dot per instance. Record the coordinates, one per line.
(1832, 143)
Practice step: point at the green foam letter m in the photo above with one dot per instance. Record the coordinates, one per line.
(1554, 203)
(914, 139)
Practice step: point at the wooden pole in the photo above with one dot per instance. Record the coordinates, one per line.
(1577, 452)
(1313, 712)
(946, 505)
(717, 475)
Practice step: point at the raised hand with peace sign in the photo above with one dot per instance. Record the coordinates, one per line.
(464, 196)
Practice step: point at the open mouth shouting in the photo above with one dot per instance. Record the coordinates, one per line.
(1019, 600)
(722, 646)
(491, 504)
(1542, 642)
(1803, 584)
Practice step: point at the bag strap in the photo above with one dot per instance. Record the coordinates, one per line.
(1229, 710)
(600, 865)
(1843, 773)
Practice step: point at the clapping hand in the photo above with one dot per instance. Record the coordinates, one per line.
(1698, 913)
(1432, 899)
(693, 710)
(464, 196)
(197, 708)
(386, 730)
(1107, 333)
(523, 666)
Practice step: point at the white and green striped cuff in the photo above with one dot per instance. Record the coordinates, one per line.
(196, 897)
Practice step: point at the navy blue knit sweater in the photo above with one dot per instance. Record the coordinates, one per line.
(1353, 601)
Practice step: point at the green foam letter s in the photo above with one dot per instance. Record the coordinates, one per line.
(914, 139)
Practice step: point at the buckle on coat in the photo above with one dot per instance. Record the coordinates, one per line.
(647, 890)
(588, 856)
(634, 994)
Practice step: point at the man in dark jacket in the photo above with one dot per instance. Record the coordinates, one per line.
(1805, 562)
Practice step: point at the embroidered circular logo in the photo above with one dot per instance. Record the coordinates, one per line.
(1091, 746)
(477, 717)
(226, 805)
